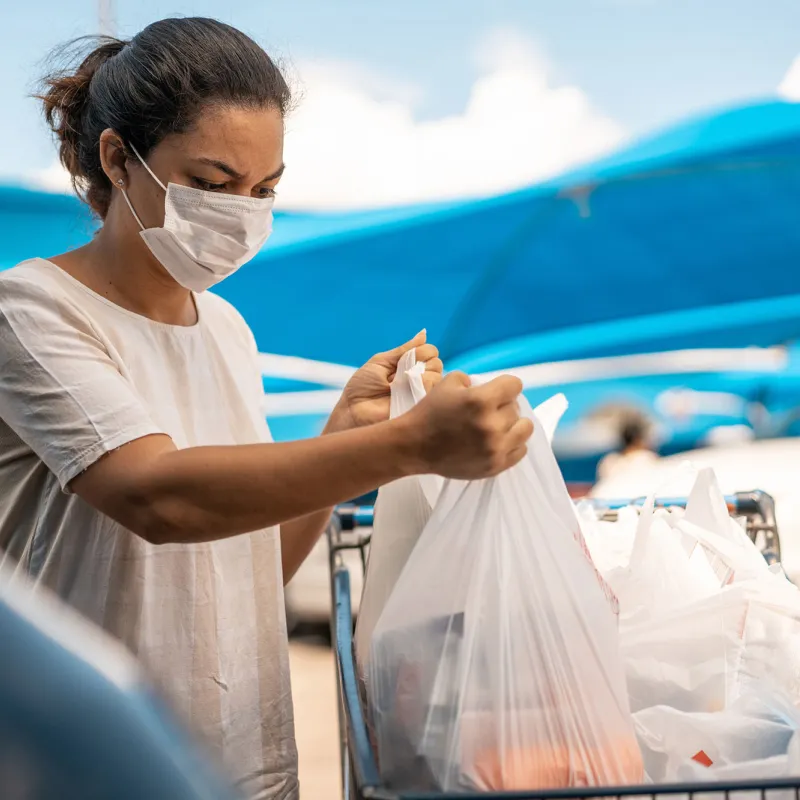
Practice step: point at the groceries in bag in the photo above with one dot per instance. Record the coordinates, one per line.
(495, 663)
(481, 657)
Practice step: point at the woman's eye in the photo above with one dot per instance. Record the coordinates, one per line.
(266, 191)
(207, 186)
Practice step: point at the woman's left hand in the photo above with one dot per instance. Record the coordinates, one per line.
(365, 399)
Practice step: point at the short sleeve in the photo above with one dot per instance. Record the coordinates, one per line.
(60, 391)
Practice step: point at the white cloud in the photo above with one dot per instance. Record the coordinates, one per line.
(53, 179)
(354, 142)
(789, 87)
(345, 148)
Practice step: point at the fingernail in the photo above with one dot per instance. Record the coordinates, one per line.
(424, 330)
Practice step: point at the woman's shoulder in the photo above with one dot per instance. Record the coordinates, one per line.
(36, 288)
(24, 270)
(34, 278)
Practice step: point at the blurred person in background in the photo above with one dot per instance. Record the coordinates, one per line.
(636, 450)
(138, 479)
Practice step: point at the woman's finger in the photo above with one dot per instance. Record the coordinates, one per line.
(430, 378)
(520, 432)
(434, 365)
(426, 352)
(506, 417)
(499, 391)
(389, 359)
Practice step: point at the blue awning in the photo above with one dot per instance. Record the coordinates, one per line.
(688, 239)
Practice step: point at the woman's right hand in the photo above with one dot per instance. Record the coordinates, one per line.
(464, 431)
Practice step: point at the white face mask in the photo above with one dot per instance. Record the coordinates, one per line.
(206, 235)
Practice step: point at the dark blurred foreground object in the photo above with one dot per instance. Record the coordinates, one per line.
(77, 721)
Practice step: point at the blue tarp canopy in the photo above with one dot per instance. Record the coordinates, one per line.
(688, 239)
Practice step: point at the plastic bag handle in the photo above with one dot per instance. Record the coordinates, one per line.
(408, 389)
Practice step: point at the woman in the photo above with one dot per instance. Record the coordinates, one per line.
(137, 475)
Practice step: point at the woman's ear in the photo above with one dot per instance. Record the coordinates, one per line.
(113, 157)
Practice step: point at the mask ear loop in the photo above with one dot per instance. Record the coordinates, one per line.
(121, 185)
(146, 166)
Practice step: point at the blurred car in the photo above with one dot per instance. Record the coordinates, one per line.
(770, 465)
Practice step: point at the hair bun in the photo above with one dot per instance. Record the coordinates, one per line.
(65, 96)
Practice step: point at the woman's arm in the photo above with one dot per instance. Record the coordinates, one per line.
(205, 493)
(365, 401)
(298, 538)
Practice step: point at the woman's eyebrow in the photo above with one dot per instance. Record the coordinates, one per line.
(223, 167)
(275, 175)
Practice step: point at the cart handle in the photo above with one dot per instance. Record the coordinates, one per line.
(756, 502)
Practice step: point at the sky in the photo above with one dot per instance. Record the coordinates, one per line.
(435, 99)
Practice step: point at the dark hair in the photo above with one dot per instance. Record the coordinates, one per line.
(149, 87)
(633, 432)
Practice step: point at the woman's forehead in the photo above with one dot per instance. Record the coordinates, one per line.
(249, 140)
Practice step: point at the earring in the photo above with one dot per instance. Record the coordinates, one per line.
(120, 182)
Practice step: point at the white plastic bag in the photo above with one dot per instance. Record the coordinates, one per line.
(702, 656)
(783, 766)
(401, 512)
(730, 551)
(703, 617)
(609, 543)
(495, 663)
(758, 726)
(661, 572)
(549, 414)
(686, 658)
(678, 558)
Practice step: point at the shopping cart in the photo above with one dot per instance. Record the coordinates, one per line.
(349, 530)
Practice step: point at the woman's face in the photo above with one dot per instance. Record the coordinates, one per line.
(231, 150)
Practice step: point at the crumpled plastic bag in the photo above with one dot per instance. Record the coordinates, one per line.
(687, 657)
(661, 573)
(755, 729)
(495, 663)
(643, 560)
(698, 636)
(707, 524)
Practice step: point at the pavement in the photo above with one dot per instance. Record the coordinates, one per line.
(316, 722)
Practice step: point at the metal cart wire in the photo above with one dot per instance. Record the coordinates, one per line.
(350, 530)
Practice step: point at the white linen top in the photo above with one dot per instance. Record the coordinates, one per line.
(80, 377)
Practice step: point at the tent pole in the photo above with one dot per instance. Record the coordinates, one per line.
(105, 17)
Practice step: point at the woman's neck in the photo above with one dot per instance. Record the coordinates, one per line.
(118, 265)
